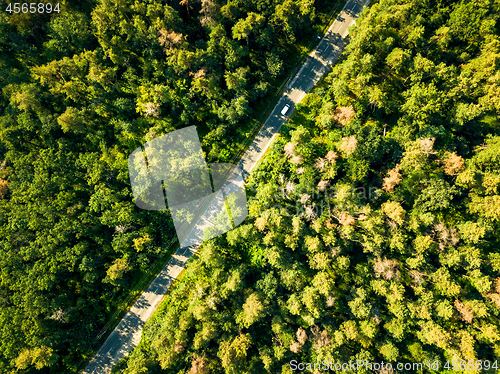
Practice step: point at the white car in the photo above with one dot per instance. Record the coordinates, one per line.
(285, 109)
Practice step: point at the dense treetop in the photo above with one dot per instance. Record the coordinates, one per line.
(80, 90)
(375, 218)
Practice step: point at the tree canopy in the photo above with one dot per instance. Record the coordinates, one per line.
(80, 90)
(374, 219)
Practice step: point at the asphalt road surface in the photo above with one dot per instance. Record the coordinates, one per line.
(127, 334)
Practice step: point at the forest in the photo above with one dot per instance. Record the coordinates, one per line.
(80, 90)
(374, 219)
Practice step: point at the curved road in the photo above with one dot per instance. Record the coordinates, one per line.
(128, 332)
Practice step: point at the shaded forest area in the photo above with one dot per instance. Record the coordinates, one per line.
(80, 90)
(374, 220)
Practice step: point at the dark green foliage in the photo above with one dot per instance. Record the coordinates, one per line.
(374, 219)
(82, 89)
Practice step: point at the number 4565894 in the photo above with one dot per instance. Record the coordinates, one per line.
(32, 8)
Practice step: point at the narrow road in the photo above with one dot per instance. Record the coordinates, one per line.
(127, 334)
(325, 54)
